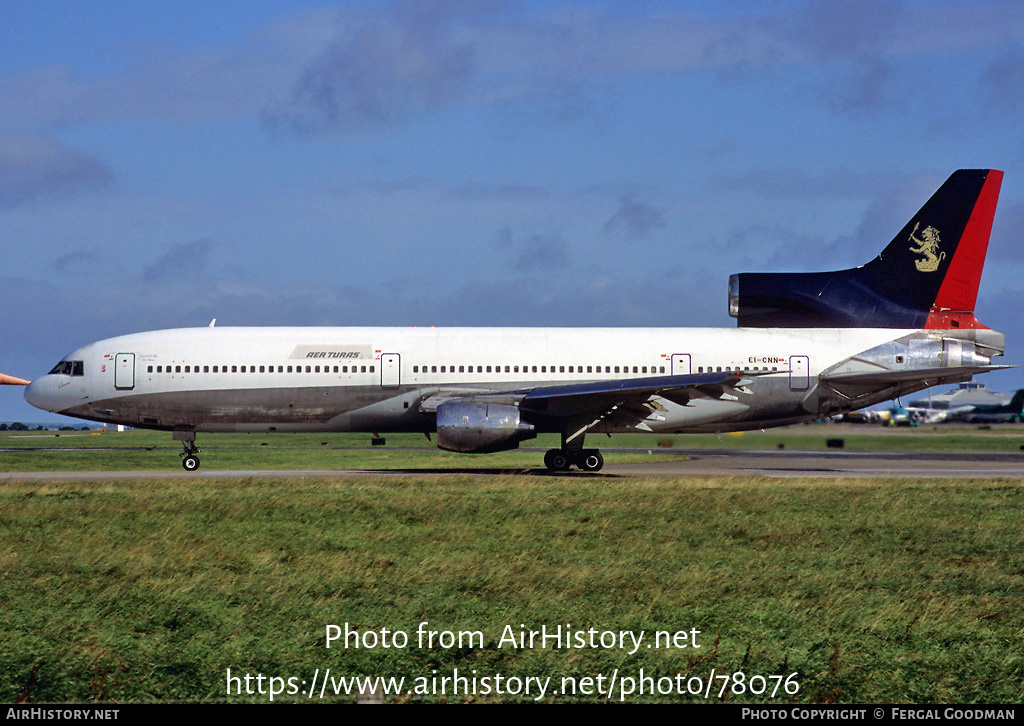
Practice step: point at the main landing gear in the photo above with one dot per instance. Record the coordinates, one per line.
(582, 459)
(189, 460)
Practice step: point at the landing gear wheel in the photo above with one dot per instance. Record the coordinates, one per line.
(189, 460)
(557, 460)
(590, 460)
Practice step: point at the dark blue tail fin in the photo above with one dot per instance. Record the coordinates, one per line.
(927, 277)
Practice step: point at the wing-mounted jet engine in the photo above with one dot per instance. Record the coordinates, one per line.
(479, 428)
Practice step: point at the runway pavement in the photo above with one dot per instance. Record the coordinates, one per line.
(901, 465)
(702, 463)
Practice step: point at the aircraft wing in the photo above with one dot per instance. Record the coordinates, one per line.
(580, 398)
(628, 401)
(576, 398)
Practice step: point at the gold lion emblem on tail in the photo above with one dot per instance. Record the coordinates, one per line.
(927, 245)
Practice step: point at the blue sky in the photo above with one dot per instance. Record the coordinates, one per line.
(479, 163)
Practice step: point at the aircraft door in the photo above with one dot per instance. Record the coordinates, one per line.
(681, 364)
(124, 371)
(390, 369)
(799, 372)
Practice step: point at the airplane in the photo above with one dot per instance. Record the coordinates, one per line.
(915, 416)
(1012, 412)
(806, 346)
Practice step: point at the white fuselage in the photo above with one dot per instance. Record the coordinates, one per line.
(344, 379)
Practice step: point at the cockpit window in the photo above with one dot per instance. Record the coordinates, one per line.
(69, 368)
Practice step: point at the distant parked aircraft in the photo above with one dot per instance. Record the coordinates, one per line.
(1012, 412)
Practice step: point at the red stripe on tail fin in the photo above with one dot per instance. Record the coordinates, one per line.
(954, 303)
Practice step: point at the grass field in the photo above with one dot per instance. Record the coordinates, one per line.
(154, 450)
(869, 590)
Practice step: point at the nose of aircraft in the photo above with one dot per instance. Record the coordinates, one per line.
(42, 393)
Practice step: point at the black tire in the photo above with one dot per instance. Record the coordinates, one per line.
(590, 460)
(557, 460)
(190, 462)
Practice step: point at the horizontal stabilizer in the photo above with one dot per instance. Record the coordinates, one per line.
(885, 377)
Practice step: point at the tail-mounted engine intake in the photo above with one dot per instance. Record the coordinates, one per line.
(480, 428)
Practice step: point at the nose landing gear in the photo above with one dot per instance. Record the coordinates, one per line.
(189, 460)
